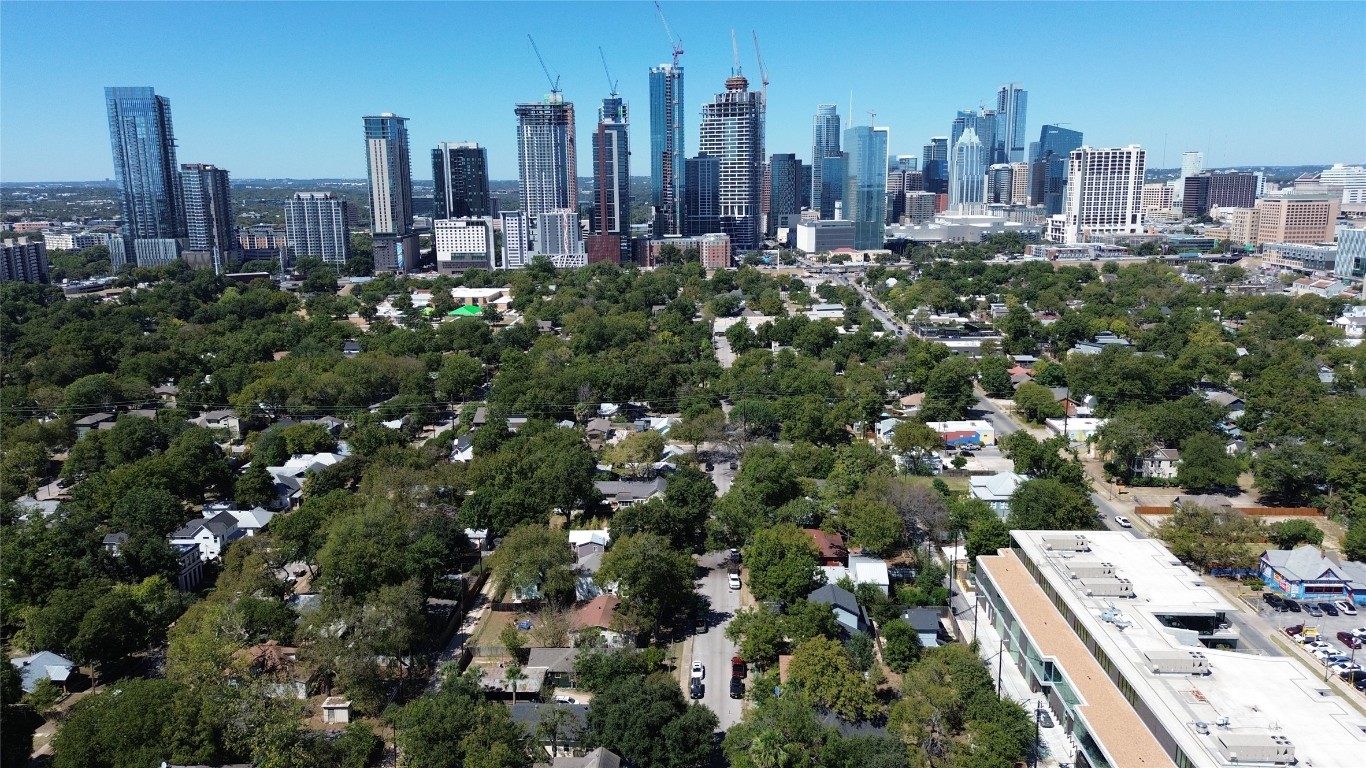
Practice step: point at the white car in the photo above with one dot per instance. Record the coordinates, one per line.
(1360, 632)
(1317, 645)
(698, 671)
(734, 581)
(1345, 608)
(1343, 668)
(1123, 521)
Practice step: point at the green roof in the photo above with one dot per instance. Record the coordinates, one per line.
(469, 310)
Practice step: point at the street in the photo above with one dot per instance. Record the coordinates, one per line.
(712, 648)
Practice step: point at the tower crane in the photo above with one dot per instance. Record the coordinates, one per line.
(872, 118)
(611, 84)
(675, 45)
(735, 53)
(555, 81)
(763, 71)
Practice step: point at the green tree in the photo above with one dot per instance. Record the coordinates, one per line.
(872, 524)
(1036, 403)
(994, 374)
(653, 580)
(782, 564)
(456, 727)
(18, 720)
(1289, 534)
(949, 392)
(767, 474)
(650, 724)
(1354, 543)
(1048, 504)
(459, 376)
(825, 672)
(900, 645)
(916, 442)
(636, 453)
(1205, 465)
(308, 438)
(255, 487)
(528, 557)
(129, 725)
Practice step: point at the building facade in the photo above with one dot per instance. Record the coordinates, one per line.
(1050, 168)
(143, 142)
(825, 142)
(1011, 103)
(1158, 197)
(1104, 192)
(865, 184)
(732, 131)
(24, 260)
(785, 194)
(560, 237)
(666, 148)
(702, 196)
(612, 173)
(1351, 259)
(920, 207)
(1000, 184)
(462, 244)
(318, 224)
(935, 165)
(1203, 191)
(1019, 179)
(390, 174)
(460, 175)
(967, 174)
(209, 216)
(547, 162)
(1297, 218)
(822, 236)
(1242, 225)
(516, 239)
(1350, 178)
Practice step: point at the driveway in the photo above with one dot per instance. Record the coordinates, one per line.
(711, 647)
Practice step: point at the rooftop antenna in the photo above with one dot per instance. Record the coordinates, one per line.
(763, 71)
(611, 84)
(850, 122)
(735, 53)
(676, 45)
(555, 81)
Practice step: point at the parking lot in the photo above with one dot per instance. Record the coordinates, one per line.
(1328, 626)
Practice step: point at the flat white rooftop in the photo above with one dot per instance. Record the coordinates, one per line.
(1172, 608)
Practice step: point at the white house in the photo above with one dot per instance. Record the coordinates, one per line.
(996, 489)
(212, 536)
(1077, 430)
(1157, 463)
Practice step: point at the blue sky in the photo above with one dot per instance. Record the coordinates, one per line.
(278, 89)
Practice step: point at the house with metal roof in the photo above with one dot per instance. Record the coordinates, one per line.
(43, 665)
(1306, 573)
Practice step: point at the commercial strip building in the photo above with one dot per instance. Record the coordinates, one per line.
(713, 249)
(1137, 658)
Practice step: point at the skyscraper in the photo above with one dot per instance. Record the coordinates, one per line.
(1019, 178)
(1192, 163)
(516, 239)
(935, 157)
(23, 261)
(1011, 101)
(832, 185)
(967, 174)
(143, 143)
(825, 142)
(1104, 193)
(732, 131)
(460, 174)
(391, 176)
(666, 148)
(612, 172)
(784, 197)
(1000, 184)
(209, 218)
(1206, 190)
(318, 224)
(1049, 177)
(702, 196)
(865, 186)
(547, 164)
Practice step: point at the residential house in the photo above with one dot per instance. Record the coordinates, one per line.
(494, 680)
(578, 537)
(189, 566)
(587, 561)
(463, 451)
(996, 490)
(1098, 345)
(925, 622)
(479, 538)
(1306, 573)
(598, 429)
(93, 421)
(911, 403)
(43, 665)
(1016, 379)
(829, 546)
(602, 757)
(1233, 405)
(558, 663)
(279, 663)
(113, 542)
(565, 742)
(848, 613)
(1078, 430)
(167, 393)
(1156, 464)
(624, 493)
(289, 478)
(211, 535)
(600, 614)
(884, 429)
(220, 419)
(866, 569)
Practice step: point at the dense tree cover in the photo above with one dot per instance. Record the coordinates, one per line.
(654, 581)
(824, 670)
(649, 723)
(457, 727)
(1206, 538)
(782, 564)
(785, 731)
(762, 635)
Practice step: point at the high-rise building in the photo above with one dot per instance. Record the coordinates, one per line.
(560, 237)
(318, 224)
(865, 186)
(1048, 180)
(209, 218)
(1304, 217)
(702, 196)
(666, 148)
(967, 174)
(143, 143)
(462, 244)
(1242, 226)
(1104, 192)
(904, 163)
(919, 207)
(547, 162)
(825, 142)
(899, 182)
(1000, 184)
(1157, 197)
(935, 165)
(612, 174)
(391, 176)
(832, 185)
(785, 196)
(516, 240)
(1203, 191)
(806, 186)
(1019, 178)
(1011, 101)
(1192, 163)
(23, 260)
(460, 174)
(732, 131)
(1352, 180)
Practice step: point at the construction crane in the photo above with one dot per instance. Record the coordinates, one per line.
(676, 45)
(763, 71)
(611, 84)
(735, 53)
(872, 117)
(555, 81)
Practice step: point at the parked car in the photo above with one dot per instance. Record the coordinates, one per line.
(734, 581)
(733, 465)
(1312, 610)
(1293, 606)
(1328, 608)
(1317, 645)
(738, 667)
(1342, 668)
(698, 671)
(1346, 608)
(1123, 521)
(711, 467)
(560, 698)
(1045, 719)
(737, 688)
(1360, 632)
(1294, 629)
(1336, 660)
(1272, 599)
(701, 624)
(696, 689)
(1348, 639)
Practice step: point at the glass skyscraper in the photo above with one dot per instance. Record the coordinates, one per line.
(1011, 102)
(825, 142)
(832, 185)
(612, 172)
(460, 173)
(1049, 178)
(935, 162)
(666, 148)
(547, 163)
(702, 196)
(784, 196)
(391, 176)
(143, 143)
(209, 220)
(733, 132)
(967, 172)
(865, 184)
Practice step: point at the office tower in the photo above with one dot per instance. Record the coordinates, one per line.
(1049, 176)
(865, 186)
(1011, 101)
(1104, 193)
(1000, 184)
(702, 196)
(1297, 217)
(1351, 178)
(318, 224)
(546, 159)
(825, 142)
(732, 131)
(612, 174)
(905, 163)
(209, 219)
(23, 260)
(899, 182)
(806, 187)
(560, 237)
(785, 196)
(1203, 191)
(1192, 163)
(666, 148)
(1019, 178)
(919, 207)
(516, 240)
(460, 176)
(390, 172)
(462, 244)
(832, 185)
(143, 143)
(989, 133)
(1157, 197)
(935, 165)
(967, 175)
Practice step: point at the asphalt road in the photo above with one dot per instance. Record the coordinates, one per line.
(711, 647)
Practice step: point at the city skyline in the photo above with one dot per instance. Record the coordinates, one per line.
(312, 135)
